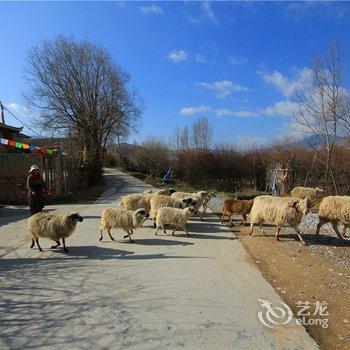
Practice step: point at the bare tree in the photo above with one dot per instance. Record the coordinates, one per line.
(321, 105)
(152, 157)
(175, 139)
(77, 87)
(202, 134)
(185, 138)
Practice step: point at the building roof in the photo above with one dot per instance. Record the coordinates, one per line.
(11, 128)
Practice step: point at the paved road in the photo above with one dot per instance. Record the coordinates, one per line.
(159, 293)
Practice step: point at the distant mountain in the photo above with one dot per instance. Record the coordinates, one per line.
(314, 140)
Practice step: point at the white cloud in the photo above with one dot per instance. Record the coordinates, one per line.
(222, 88)
(177, 56)
(200, 58)
(151, 9)
(240, 113)
(237, 61)
(287, 86)
(281, 109)
(194, 110)
(209, 13)
(17, 108)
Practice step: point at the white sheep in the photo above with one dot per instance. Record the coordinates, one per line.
(201, 196)
(137, 201)
(173, 216)
(206, 201)
(122, 218)
(334, 209)
(163, 191)
(312, 194)
(160, 201)
(52, 226)
(279, 211)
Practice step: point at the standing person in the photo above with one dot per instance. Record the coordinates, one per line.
(283, 179)
(167, 176)
(36, 188)
(275, 184)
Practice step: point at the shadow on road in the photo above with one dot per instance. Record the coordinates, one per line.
(86, 252)
(10, 214)
(159, 241)
(310, 239)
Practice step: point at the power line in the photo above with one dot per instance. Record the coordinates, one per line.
(28, 127)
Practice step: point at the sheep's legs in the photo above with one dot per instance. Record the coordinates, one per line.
(185, 229)
(251, 228)
(244, 221)
(262, 229)
(222, 217)
(32, 245)
(110, 236)
(335, 228)
(277, 233)
(319, 225)
(64, 245)
(101, 236)
(129, 234)
(37, 243)
(55, 246)
(231, 221)
(299, 235)
(344, 230)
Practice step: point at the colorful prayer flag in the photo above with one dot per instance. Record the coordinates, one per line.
(19, 144)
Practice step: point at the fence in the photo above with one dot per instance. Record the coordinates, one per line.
(60, 173)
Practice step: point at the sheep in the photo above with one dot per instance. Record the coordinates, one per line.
(160, 201)
(164, 191)
(137, 201)
(233, 206)
(206, 201)
(334, 209)
(173, 216)
(122, 218)
(201, 196)
(314, 195)
(280, 211)
(52, 226)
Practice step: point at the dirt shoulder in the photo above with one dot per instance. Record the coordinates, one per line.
(314, 273)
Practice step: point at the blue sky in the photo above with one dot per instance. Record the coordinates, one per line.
(235, 63)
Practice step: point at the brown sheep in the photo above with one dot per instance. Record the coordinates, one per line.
(234, 206)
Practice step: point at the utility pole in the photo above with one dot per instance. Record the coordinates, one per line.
(2, 113)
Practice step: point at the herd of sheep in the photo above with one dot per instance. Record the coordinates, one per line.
(170, 207)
